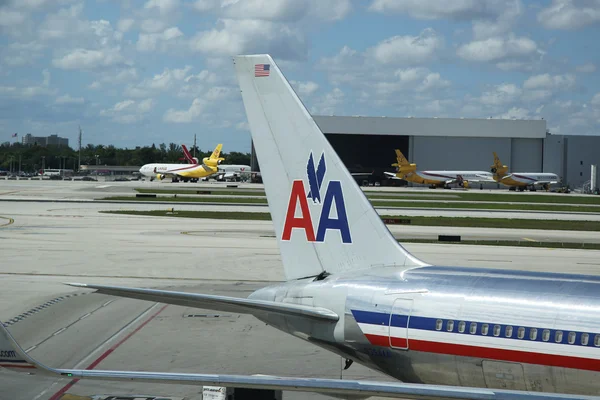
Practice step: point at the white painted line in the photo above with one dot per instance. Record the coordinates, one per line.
(59, 331)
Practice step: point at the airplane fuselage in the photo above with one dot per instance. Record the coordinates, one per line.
(439, 178)
(524, 179)
(458, 326)
(184, 170)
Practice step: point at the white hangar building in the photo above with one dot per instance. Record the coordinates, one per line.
(368, 143)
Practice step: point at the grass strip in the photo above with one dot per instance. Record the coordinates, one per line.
(231, 200)
(204, 192)
(376, 203)
(514, 243)
(500, 197)
(399, 195)
(467, 222)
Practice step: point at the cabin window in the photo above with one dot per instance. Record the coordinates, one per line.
(450, 326)
(473, 328)
(558, 337)
(585, 339)
(508, 331)
(546, 335)
(597, 340)
(461, 326)
(521, 333)
(438, 325)
(497, 330)
(484, 329)
(571, 337)
(533, 333)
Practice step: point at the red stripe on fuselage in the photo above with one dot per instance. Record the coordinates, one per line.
(527, 357)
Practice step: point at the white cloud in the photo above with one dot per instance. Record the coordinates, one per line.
(587, 68)
(159, 82)
(158, 41)
(497, 48)
(152, 25)
(94, 85)
(17, 54)
(408, 49)
(305, 88)
(10, 18)
(501, 94)
(567, 14)
(596, 100)
(184, 116)
(437, 9)
(433, 81)
(125, 24)
(164, 6)
(515, 113)
(277, 10)
(329, 103)
(547, 81)
(246, 36)
(89, 59)
(67, 99)
(129, 111)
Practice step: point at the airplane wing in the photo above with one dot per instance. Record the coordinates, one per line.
(214, 302)
(13, 357)
(390, 175)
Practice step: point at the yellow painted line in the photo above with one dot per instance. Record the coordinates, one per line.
(530, 240)
(10, 221)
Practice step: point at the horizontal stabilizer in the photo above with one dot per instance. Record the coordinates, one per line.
(336, 387)
(214, 302)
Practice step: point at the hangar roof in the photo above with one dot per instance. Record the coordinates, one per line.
(461, 127)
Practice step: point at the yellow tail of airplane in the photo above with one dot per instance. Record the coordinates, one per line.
(403, 166)
(214, 158)
(498, 169)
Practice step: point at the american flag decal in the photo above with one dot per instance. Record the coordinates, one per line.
(262, 70)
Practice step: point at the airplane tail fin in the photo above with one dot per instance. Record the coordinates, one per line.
(498, 169)
(403, 166)
(188, 156)
(323, 221)
(215, 158)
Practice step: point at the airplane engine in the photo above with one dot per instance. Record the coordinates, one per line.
(405, 169)
(160, 177)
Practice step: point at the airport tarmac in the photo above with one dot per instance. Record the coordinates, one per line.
(50, 243)
(74, 192)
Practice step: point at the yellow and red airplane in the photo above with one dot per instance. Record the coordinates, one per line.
(186, 172)
(408, 171)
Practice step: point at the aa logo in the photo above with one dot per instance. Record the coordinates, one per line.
(331, 205)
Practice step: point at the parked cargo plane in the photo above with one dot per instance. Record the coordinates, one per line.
(225, 171)
(354, 290)
(185, 172)
(521, 180)
(407, 171)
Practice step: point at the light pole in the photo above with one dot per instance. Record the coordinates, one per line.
(43, 164)
(97, 162)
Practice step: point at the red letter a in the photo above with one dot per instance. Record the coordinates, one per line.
(304, 222)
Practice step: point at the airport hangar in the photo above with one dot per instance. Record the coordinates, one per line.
(366, 144)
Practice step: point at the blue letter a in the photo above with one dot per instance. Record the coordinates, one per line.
(334, 194)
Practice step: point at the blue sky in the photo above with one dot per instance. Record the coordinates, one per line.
(137, 72)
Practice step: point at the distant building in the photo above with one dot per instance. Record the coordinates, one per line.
(52, 140)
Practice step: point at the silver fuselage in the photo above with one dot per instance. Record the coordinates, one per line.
(457, 326)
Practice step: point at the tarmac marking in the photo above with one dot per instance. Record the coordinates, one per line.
(530, 240)
(97, 361)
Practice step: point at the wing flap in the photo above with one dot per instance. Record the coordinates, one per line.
(334, 387)
(214, 302)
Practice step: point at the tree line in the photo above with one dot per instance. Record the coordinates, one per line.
(32, 157)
